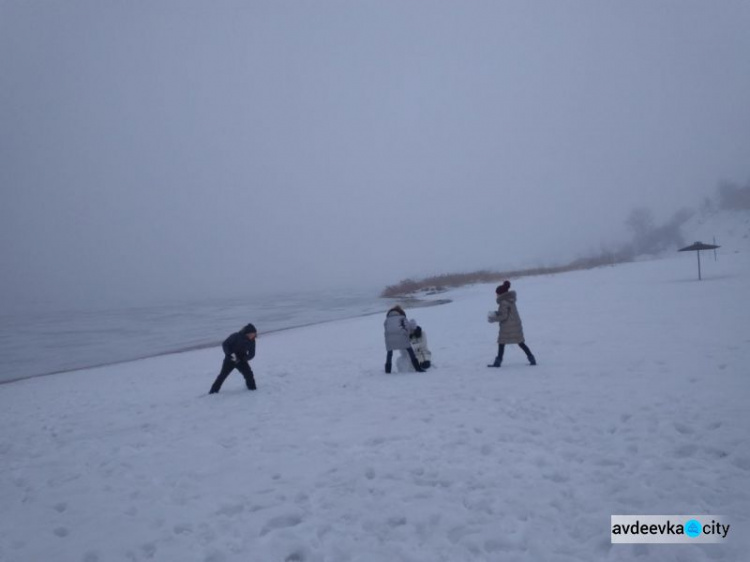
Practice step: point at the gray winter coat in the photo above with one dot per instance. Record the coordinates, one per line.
(396, 331)
(511, 329)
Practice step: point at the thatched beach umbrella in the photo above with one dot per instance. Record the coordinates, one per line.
(697, 247)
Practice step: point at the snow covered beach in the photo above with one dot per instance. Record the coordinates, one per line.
(638, 406)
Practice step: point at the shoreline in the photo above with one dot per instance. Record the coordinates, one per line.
(407, 303)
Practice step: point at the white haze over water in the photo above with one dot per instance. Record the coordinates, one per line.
(194, 150)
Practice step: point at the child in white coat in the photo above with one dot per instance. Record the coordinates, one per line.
(418, 340)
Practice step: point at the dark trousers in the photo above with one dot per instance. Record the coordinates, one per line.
(412, 356)
(522, 345)
(227, 367)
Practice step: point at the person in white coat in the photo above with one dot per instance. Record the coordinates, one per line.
(418, 339)
(421, 350)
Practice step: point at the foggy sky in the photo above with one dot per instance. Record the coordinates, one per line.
(183, 148)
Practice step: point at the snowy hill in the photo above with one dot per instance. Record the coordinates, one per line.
(731, 229)
(638, 406)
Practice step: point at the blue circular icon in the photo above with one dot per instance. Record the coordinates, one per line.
(693, 528)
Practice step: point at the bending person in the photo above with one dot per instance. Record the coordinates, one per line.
(397, 337)
(239, 349)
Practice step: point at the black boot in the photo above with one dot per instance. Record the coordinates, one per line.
(388, 358)
(527, 351)
(250, 382)
(244, 368)
(499, 358)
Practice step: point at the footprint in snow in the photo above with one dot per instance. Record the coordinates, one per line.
(682, 428)
(397, 521)
(280, 522)
(183, 529)
(685, 451)
(231, 510)
(742, 463)
(715, 453)
(149, 549)
(215, 556)
(556, 477)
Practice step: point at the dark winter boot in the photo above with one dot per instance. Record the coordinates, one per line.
(388, 368)
(499, 358)
(244, 368)
(527, 351)
(388, 359)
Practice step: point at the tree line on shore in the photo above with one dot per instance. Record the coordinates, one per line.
(648, 238)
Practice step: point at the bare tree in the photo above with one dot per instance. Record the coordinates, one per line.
(733, 197)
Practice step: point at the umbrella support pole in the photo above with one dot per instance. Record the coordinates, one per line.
(699, 264)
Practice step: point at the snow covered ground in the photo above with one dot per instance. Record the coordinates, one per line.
(639, 405)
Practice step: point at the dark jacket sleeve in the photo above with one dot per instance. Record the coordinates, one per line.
(250, 349)
(228, 344)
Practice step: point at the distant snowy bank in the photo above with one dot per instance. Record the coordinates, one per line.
(711, 224)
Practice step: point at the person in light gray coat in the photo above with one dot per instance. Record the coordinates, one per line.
(511, 328)
(397, 331)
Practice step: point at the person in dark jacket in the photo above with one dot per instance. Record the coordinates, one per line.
(511, 329)
(239, 348)
(397, 332)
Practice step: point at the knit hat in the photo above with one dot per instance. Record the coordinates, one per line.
(249, 329)
(503, 288)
